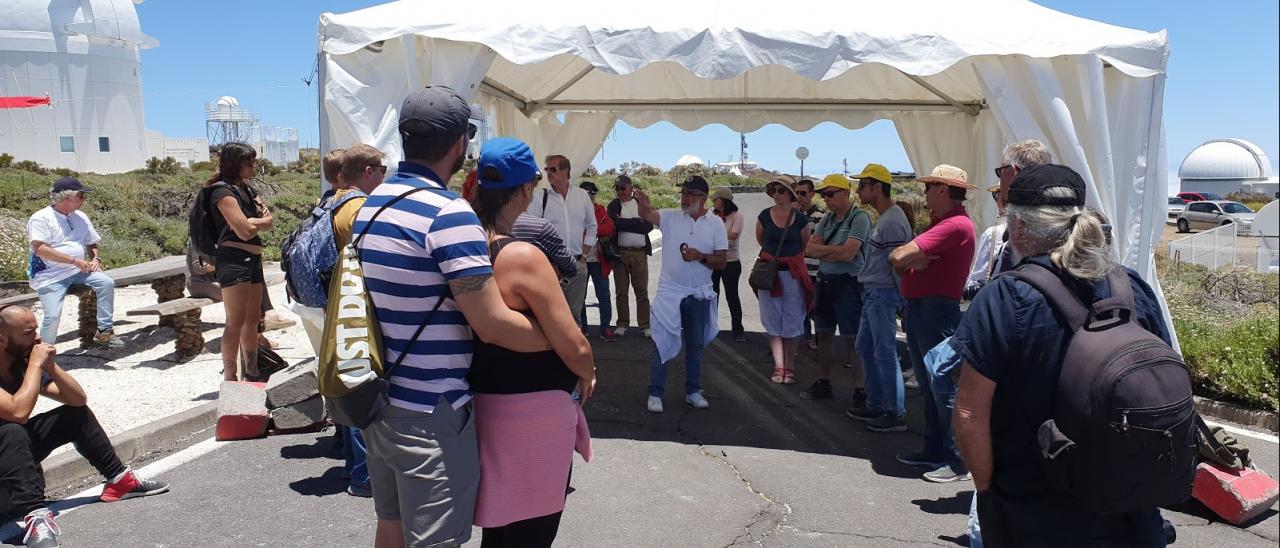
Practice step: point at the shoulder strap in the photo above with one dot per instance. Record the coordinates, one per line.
(386, 373)
(546, 192)
(782, 239)
(1061, 298)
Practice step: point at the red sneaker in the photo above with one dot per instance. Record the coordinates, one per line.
(130, 487)
(608, 335)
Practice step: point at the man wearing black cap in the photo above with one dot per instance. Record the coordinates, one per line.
(426, 246)
(64, 252)
(1012, 345)
(684, 309)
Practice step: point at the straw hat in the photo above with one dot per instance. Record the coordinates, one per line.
(948, 175)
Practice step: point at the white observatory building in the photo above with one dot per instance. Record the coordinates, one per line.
(1224, 166)
(83, 55)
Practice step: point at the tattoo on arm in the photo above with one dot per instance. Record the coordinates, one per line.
(469, 284)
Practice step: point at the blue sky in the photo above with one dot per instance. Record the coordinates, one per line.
(1224, 80)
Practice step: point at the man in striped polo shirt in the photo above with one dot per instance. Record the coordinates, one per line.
(426, 261)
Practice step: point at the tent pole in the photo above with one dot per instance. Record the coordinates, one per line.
(494, 88)
(969, 109)
(563, 87)
(740, 104)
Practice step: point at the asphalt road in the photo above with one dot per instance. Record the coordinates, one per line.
(760, 467)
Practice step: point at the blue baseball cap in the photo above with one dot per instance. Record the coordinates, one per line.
(506, 163)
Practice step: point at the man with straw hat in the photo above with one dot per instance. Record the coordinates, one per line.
(934, 267)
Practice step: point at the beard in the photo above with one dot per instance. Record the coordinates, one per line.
(19, 354)
(691, 210)
(457, 164)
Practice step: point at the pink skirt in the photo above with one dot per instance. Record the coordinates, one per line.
(526, 444)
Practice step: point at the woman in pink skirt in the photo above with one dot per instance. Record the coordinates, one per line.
(527, 422)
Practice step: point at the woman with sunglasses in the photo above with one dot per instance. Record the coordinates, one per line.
(782, 232)
(239, 216)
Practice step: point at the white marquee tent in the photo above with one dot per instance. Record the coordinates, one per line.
(958, 79)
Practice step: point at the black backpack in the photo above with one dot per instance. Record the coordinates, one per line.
(1122, 434)
(203, 231)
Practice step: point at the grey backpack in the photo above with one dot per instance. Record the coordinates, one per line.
(1122, 434)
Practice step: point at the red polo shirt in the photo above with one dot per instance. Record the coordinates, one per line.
(952, 239)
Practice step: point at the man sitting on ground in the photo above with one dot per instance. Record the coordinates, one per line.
(27, 371)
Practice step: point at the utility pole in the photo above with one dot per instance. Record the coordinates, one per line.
(845, 162)
(742, 152)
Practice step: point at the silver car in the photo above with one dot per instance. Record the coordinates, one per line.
(1212, 214)
(1176, 205)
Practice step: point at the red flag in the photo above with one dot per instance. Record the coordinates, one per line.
(23, 102)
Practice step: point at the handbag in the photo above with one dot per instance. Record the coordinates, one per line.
(764, 273)
(609, 250)
(351, 374)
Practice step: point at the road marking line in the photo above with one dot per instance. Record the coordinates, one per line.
(90, 495)
(1244, 432)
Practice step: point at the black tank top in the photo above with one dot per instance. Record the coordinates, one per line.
(497, 370)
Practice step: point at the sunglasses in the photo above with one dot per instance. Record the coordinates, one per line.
(1000, 170)
(471, 131)
(551, 169)
(830, 193)
(379, 168)
(995, 196)
(774, 189)
(802, 193)
(693, 194)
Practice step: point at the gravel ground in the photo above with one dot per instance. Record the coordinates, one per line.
(144, 382)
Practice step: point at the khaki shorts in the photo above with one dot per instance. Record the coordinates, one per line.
(425, 472)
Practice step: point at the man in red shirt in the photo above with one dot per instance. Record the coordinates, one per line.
(934, 267)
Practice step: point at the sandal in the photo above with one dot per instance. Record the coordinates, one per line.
(779, 376)
(789, 376)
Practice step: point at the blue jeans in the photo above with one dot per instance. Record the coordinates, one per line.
(944, 370)
(52, 295)
(694, 315)
(601, 283)
(975, 529)
(357, 457)
(928, 321)
(877, 345)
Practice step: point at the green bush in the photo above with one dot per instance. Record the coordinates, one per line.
(6, 160)
(1236, 361)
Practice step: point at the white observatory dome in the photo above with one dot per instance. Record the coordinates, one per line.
(1226, 159)
(228, 101)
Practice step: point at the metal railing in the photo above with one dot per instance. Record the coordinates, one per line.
(1268, 259)
(1214, 248)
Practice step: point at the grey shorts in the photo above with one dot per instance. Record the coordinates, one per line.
(425, 472)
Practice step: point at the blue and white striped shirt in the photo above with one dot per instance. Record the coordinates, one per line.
(413, 249)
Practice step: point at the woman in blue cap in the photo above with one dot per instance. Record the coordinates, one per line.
(527, 422)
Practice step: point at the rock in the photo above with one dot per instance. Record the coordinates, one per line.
(300, 415)
(242, 410)
(292, 385)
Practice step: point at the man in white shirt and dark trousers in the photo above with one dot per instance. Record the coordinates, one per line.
(570, 210)
(695, 243)
(64, 252)
(634, 249)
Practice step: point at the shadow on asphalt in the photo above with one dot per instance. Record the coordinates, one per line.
(959, 504)
(322, 446)
(746, 409)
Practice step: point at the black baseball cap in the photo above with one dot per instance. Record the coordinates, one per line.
(69, 183)
(622, 180)
(589, 186)
(696, 183)
(1029, 186)
(439, 108)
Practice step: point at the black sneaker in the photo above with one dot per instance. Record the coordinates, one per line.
(920, 459)
(861, 413)
(859, 398)
(819, 390)
(887, 423)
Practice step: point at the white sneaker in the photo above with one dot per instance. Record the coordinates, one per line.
(695, 399)
(648, 333)
(620, 331)
(655, 404)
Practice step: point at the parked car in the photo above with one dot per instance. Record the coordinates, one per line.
(1176, 205)
(1199, 196)
(1212, 214)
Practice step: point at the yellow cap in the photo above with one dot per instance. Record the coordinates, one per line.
(835, 180)
(877, 172)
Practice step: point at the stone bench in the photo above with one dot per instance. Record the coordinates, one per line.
(183, 315)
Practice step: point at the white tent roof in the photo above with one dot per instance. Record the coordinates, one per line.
(958, 80)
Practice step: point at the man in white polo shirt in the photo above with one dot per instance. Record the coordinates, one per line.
(572, 212)
(64, 252)
(695, 243)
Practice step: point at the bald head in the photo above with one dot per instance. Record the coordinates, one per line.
(15, 316)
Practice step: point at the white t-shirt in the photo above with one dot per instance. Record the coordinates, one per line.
(68, 234)
(706, 234)
(574, 217)
(629, 210)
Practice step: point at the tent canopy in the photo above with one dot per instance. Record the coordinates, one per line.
(958, 82)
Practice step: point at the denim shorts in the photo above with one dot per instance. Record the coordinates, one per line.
(237, 266)
(837, 303)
